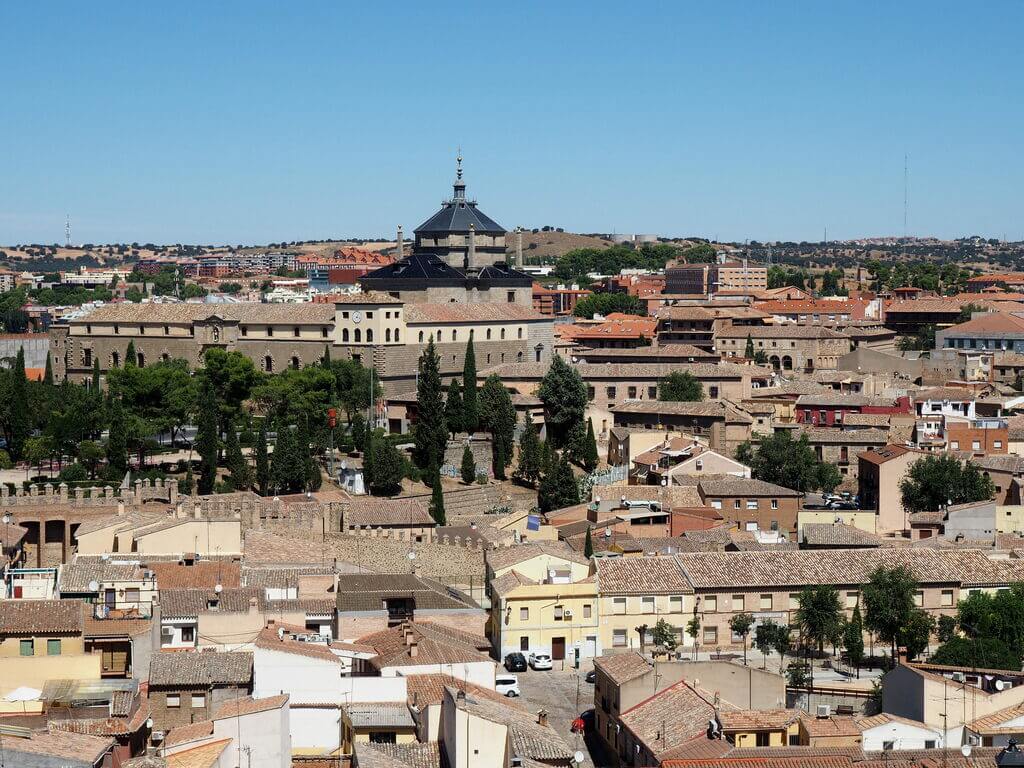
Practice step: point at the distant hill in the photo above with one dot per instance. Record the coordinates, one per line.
(551, 245)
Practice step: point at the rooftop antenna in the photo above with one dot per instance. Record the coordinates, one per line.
(67, 231)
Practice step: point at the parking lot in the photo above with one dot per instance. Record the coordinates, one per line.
(564, 694)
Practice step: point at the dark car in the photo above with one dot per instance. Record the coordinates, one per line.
(515, 662)
(591, 676)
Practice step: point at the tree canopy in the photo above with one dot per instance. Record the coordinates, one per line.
(934, 481)
(607, 303)
(565, 399)
(790, 463)
(680, 386)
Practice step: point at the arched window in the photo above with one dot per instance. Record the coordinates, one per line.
(387, 335)
(502, 334)
(344, 334)
(396, 335)
(358, 336)
(142, 360)
(519, 357)
(369, 335)
(421, 337)
(520, 333)
(296, 332)
(115, 359)
(295, 362)
(268, 364)
(453, 334)
(488, 334)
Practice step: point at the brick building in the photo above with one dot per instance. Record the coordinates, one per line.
(187, 686)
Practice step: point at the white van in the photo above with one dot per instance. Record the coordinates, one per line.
(507, 685)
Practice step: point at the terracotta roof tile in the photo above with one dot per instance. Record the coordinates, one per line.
(33, 617)
(660, 574)
(200, 668)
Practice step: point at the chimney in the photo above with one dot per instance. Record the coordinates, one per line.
(519, 247)
(542, 717)
(471, 254)
(254, 605)
(120, 506)
(198, 511)
(414, 649)
(401, 244)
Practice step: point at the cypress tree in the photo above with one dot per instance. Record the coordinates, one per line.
(117, 441)
(287, 471)
(589, 455)
(528, 469)
(470, 402)
(431, 436)
(96, 375)
(468, 466)
(130, 358)
(48, 372)
(455, 408)
(310, 469)
(568, 489)
(238, 465)
(498, 416)
(262, 462)
(207, 443)
(387, 469)
(748, 352)
(588, 545)
(20, 421)
(189, 484)
(437, 503)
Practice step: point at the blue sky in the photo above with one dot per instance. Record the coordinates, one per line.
(257, 122)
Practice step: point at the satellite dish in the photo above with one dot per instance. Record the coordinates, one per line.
(94, 586)
(218, 589)
(411, 555)
(578, 758)
(965, 750)
(149, 723)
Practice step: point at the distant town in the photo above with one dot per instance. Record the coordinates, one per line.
(473, 497)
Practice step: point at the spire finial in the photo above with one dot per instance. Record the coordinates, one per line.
(458, 165)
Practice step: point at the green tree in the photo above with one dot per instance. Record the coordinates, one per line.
(117, 441)
(36, 451)
(608, 303)
(558, 487)
(238, 465)
(588, 545)
(764, 638)
(946, 628)
(437, 503)
(934, 481)
(787, 462)
(781, 643)
(798, 675)
(693, 630)
(16, 405)
(130, 355)
(819, 616)
(48, 371)
(387, 468)
(498, 416)
(680, 386)
(664, 634)
(470, 401)
(589, 455)
(528, 469)
(232, 377)
(287, 464)
(262, 461)
(889, 602)
(207, 441)
(853, 639)
(468, 467)
(984, 652)
(431, 433)
(748, 351)
(90, 453)
(740, 624)
(359, 431)
(916, 634)
(310, 468)
(96, 374)
(565, 400)
(454, 408)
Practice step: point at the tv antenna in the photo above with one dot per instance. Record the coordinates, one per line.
(67, 231)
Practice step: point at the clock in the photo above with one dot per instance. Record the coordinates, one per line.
(357, 316)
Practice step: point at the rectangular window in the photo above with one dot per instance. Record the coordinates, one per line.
(851, 599)
(955, 445)
(713, 393)
(710, 635)
(752, 504)
(919, 599)
(775, 503)
(559, 612)
(738, 601)
(590, 393)
(631, 393)
(618, 638)
(975, 445)
(524, 614)
(619, 605)
(131, 595)
(188, 634)
(675, 604)
(610, 392)
(586, 611)
(652, 393)
(736, 504)
(198, 700)
(53, 647)
(173, 700)
(997, 443)
(647, 604)
(947, 597)
(524, 643)
(766, 602)
(27, 648)
(711, 603)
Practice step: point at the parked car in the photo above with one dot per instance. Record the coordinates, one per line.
(591, 676)
(540, 660)
(515, 662)
(507, 685)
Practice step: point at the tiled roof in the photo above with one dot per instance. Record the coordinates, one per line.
(369, 511)
(203, 756)
(381, 714)
(670, 718)
(75, 577)
(455, 312)
(120, 723)
(434, 645)
(913, 306)
(830, 726)
(367, 592)
(945, 393)
(189, 603)
(837, 535)
(866, 420)
(831, 397)
(509, 581)
(128, 626)
(413, 755)
(884, 454)
(59, 745)
(204, 573)
(622, 667)
(674, 350)
(757, 719)
(710, 570)
(506, 557)
(846, 436)
(200, 668)
(1009, 463)
(243, 312)
(787, 331)
(247, 705)
(186, 733)
(38, 617)
(529, 739)
(704, 408)
(127, 520)
(985, 325)
(641, 575)
(743, 486)
(281, 577)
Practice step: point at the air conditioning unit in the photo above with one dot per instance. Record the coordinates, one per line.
(958, 677)
(823, 710)
(567, 614)
(1003, 685)
(167, 631)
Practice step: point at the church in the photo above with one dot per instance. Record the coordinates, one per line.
(458, 255)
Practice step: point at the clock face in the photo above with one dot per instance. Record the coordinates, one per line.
(357, 316)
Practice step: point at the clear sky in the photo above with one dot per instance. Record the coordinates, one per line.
(255, 122)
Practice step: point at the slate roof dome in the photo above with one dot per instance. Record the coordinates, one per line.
(458, 213)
